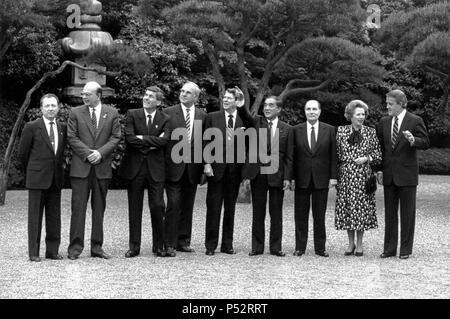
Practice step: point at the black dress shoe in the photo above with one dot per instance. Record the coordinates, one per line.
(298, 253)
(131, 253)
(160, 253)
(54, 257)
(255, 253)
(403, 256)
(386, 255)
(101, 255)
(35, 258)
(349, 253)
(359, 254)
(228, 251)
(209, 252)
(278, 253)
(170, 252)
(185, 249)
(72, 257)
(322, 254)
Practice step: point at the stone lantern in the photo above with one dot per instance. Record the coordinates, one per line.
(79, 42)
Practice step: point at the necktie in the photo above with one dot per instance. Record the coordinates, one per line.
(52, 136)
(149, 123)
(269, 138)
(395, 131)
(313, 138)
(230, 129)
(188, 124)
(94, 119)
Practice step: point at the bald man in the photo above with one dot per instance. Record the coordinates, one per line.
(183, 177)
(315, 171)
(93, 132)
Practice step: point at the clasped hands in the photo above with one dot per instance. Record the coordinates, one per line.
(95, 157)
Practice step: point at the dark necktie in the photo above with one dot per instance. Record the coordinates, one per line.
(149, 123)
(395, 131)
(230, 129)
(188, 124)
(94, 119)
(313, 138)
(52, 136)
(269, 138)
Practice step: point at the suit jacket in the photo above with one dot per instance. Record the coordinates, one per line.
(174, 171)
(42, 165)
(150, 149)
(217, 120)
(83, 139)
(285, 149)
(319, 164)
(399, 164)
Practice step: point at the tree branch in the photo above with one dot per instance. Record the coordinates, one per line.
(209, 50)
(288, 92)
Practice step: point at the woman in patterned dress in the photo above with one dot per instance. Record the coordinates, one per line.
(357, 149)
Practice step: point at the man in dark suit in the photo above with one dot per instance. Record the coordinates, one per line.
(183, 174)
(41, 152)
(315, 171)
(146, 132)
(93, 132)
(400, 134)
(279, 143)
(224, 172)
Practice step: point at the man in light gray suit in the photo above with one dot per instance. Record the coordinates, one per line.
(93, 132)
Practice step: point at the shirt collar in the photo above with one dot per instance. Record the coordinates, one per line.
(234, 114)
(152, 114)
(47, 121)
(274, 121)
(316, 125)
(401, 115)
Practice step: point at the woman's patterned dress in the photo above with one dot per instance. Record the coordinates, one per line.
(355, 210)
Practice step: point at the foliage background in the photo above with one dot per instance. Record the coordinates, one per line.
(35, 49)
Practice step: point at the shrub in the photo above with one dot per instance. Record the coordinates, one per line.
(434, 161)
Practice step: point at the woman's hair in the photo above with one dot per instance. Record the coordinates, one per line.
(350, 108)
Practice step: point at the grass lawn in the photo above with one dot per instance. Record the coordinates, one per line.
(425, 275)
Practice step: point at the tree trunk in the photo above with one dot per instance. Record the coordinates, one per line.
(3, 183)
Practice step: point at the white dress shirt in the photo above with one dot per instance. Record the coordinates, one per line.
(98, 111)
(55, 131)
(234, 118)
(400, 117)
(147, 114)
(308, 130)
(191, 116)
(274, 126)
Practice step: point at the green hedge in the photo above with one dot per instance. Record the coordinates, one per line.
(435, 161)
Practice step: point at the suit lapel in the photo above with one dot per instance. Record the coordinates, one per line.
(155, 124)
(141, 122)
(60, 139)
(44, 135)
(87, 118)
(102, 119)
(320, 136)
(304, 136)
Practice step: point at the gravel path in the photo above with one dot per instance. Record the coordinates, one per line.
(425, 275)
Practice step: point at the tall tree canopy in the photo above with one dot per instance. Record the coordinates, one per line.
(421, 38)
(248, 38)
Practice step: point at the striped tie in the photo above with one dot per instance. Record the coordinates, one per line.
(188, 123)
(230, 129)
(394, 131)
(94, 119)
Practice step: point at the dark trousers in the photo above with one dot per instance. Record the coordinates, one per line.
(81, 190)
(406, 196)
(38, 200)
(223, 191)
(136, 188)
(304, 197)
(260, 187)
(178, 217)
